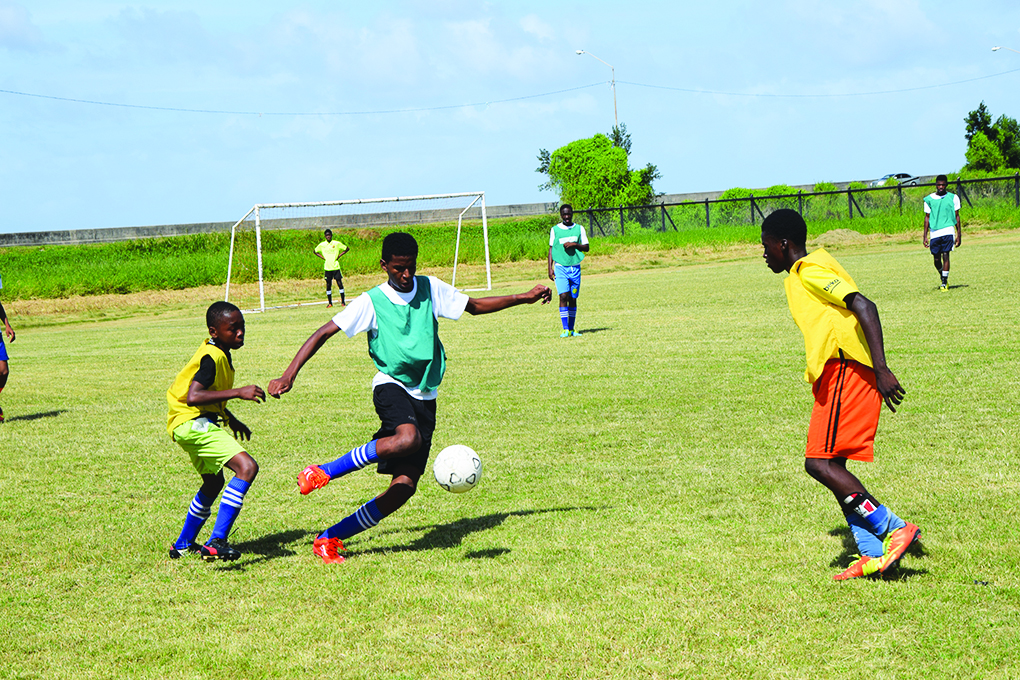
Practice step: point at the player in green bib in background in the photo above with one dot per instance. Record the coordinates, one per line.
(331, 251)
(568, 242)
(401, 318)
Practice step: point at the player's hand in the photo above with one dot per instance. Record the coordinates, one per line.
(252, 393)
(241, 431)
(924, 240)
(10, 333)
(957, 245)
(537, 293)
(280, 386)
(890, 389)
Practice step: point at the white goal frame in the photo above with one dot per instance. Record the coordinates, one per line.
(478, 198)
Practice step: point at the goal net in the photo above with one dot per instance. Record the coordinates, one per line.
(271, 260)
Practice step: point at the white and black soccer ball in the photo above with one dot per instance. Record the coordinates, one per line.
(457, 468)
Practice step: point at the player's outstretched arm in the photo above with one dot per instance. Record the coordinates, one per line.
(487, 305)
(285, 382)
(867, 314)
(198, 395)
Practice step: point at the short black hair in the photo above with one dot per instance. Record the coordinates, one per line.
(786, 224)
(328, 231)
(217, 311)
(566, 205)
(941, 178)
(399, 244)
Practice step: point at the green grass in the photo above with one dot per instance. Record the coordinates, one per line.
(183, 262)
(644, 511)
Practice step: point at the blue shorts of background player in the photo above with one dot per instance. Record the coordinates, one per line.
(3, 351)
(942, 244)
(568, 279)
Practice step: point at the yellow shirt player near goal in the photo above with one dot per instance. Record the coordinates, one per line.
(331, 251)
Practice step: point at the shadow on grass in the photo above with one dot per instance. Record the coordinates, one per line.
(266, 548)
(850, 551)
(586, 331)
(37, 416)
(448, 535)
(452, 534)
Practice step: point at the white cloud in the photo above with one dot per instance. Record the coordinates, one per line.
(538, 28)
(17, 32)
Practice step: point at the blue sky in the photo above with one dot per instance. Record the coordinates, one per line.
(415, 97)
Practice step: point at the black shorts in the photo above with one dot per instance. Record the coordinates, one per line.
(396, 407)
(335, 276)
(942, 244)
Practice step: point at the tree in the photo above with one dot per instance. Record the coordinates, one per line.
(979, 120)
(595, 172)
(983, 154)
(991, 147)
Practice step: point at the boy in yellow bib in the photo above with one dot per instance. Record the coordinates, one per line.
(198, 406)
(846, 367)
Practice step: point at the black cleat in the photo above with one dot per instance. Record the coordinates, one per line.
(192, 549)
(219, 549)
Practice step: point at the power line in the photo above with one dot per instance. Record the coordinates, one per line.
(296, 113)
(804, 96)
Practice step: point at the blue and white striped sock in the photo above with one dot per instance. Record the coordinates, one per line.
(355, 459)
(565, 318)
(230, 507)
(198, 513)
(365, 517)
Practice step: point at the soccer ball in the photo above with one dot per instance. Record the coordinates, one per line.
(457, 468)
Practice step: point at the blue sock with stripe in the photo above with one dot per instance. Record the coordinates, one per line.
(565, 318)
(365, 517)
(878, 519)
(868, 543)
(571, 315)
(230, 507)
(198, 513)
(355, 459)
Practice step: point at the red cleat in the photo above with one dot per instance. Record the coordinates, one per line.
(312, 478)
(897, 543)
(864, 566)
(328, 549)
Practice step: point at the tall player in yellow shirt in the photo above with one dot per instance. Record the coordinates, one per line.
(846, 367)
(331, 251)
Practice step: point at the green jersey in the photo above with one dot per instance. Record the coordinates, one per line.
(405, 345)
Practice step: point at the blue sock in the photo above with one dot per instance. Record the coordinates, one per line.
(198, 513)
(355, 459)
(571, 315)
(365, 517)
(565, 318)
(230, 507)
(868, 543)
(879, 519)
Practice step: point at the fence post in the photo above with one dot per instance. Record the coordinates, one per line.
(899, 189)
(1016, 189)
(800, 201)
(752, 210)
(708, 222)
(850, 202)
(621, 221)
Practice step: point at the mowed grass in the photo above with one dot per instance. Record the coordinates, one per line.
(644, 511)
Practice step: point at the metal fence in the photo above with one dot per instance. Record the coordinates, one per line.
(842, 204)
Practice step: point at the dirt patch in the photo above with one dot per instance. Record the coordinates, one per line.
(837, 237)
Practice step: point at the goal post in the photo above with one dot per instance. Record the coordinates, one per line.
(247, 272)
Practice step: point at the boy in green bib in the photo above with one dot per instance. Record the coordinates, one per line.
(400, 317)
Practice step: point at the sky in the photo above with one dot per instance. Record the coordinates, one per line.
(134, 114)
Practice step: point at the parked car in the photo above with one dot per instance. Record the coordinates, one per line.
(902, 178)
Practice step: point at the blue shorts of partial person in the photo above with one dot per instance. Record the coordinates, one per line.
(568, 279)
(942, 244)
(3, 351)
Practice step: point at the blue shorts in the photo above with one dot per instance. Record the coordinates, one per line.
(3, 351)
(568, 279)
(942, 244)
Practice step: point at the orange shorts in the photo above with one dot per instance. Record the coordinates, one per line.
(845, 416)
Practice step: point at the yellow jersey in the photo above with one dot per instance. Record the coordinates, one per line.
(816, 289)
(177, 395)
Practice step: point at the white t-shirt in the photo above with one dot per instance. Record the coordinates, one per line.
(359, 317)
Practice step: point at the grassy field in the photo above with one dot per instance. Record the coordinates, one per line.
(644, 511)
